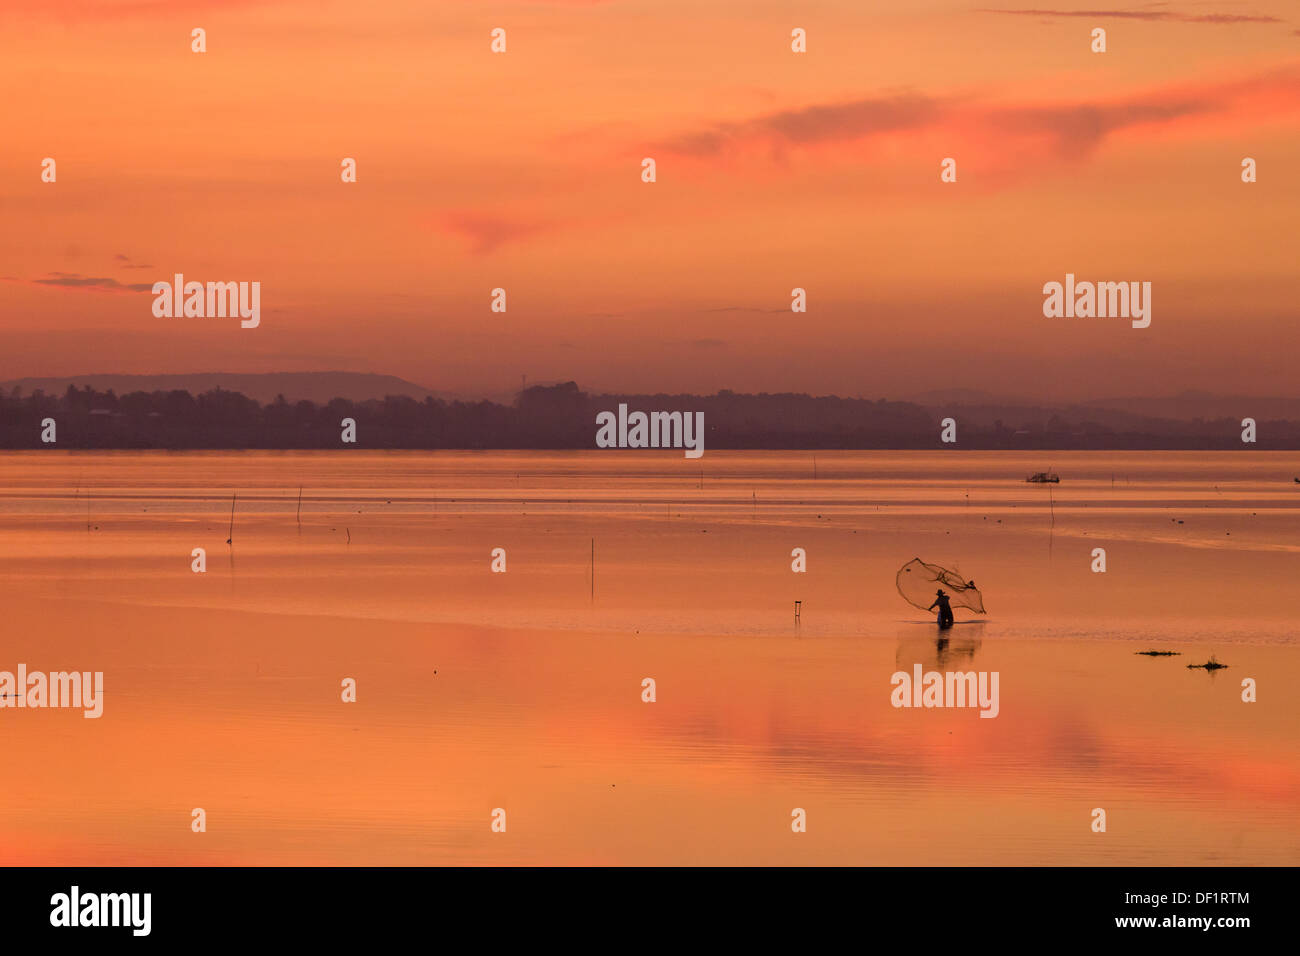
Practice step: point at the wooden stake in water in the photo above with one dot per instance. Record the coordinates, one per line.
(798, 605)
(299, 515)
(1051, 531)
(593, 570)
(232, 520)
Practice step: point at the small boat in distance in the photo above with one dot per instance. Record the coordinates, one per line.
(1044, 478)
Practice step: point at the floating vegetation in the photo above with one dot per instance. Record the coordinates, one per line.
(1211, 665)
(1161, 654)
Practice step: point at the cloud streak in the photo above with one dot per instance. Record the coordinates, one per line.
(817, 124)
(72, 280)
(1220, 19)
(1070, 130)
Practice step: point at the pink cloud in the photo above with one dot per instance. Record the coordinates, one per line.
(1071, 130)
(486, 232)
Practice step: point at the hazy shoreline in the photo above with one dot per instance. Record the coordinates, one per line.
(564, 417)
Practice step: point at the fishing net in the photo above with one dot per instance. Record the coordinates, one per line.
(917, 582)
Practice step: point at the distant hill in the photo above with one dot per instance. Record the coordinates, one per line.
(1122, 414)
(1191, 405)
(317, 387)
(960, 396)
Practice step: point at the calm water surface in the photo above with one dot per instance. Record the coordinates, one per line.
(523, 690)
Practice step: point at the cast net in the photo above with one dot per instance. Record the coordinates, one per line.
(918, 582)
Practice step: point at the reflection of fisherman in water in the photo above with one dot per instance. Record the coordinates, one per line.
(937, 651)
(945, 609)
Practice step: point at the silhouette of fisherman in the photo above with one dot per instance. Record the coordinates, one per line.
(945, 609)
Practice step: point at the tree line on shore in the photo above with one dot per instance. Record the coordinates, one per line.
(564, 417)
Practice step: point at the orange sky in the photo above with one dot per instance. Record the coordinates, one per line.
(775, 170)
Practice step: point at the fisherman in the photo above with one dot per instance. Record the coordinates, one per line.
(945, 609)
